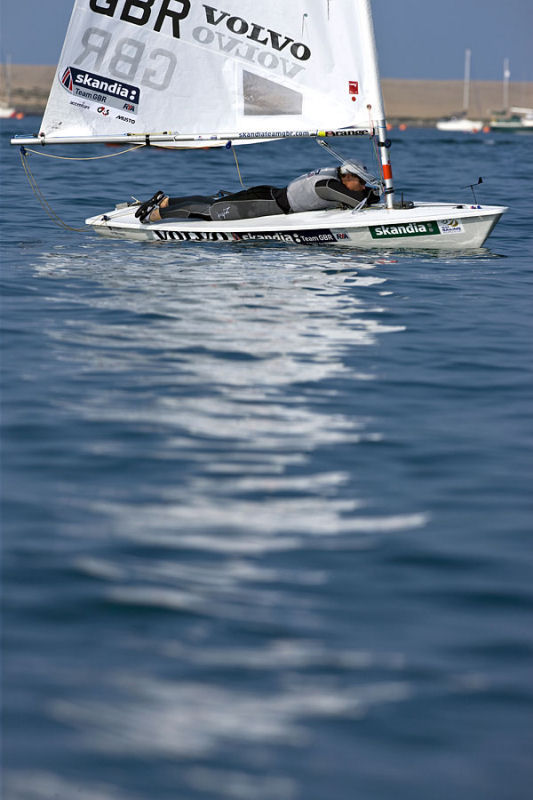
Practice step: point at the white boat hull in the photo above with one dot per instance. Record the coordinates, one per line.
(460, 125)
(510, 125)
(6, 112)
(441, 226)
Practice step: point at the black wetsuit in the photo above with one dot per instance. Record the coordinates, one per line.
(315, 190)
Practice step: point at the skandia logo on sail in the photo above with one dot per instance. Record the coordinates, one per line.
(100, 89)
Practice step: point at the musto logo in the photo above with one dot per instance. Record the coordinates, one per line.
(101, 90)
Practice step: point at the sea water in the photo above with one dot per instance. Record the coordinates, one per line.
(267, 509)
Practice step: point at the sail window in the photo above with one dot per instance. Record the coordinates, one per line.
(267, 98)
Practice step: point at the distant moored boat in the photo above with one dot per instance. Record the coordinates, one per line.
(460, 122)
(6, 109)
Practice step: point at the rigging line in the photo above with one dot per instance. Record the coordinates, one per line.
(42, 200)
(375, 148)
(237, 165)
(85, 158)
(35, 188)
(372, 179)
(377, 159)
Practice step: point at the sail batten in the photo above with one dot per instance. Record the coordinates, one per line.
(238, 65)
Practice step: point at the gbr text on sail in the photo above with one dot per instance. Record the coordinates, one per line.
(211, 28)
(142, 12)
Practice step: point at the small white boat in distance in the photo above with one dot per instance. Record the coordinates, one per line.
(460, 122)
(6, 109)
(6, 112)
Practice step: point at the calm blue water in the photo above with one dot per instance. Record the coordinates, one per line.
(267, 516)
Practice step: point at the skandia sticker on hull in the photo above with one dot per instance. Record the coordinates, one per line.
(407, 229)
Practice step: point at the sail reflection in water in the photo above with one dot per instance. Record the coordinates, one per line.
(240, 397)
(222, 390)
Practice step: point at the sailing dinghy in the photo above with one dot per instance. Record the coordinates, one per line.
(185, 73)
(461, 122)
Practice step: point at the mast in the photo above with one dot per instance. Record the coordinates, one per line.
(506, 76)
(466, 86)
(376, 112)
(8, 80)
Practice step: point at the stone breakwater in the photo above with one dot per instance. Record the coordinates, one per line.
(414, 101)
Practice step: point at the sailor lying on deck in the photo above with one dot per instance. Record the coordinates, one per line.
(330, 187)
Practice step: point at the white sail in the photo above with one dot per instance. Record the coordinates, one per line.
(187, 67)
